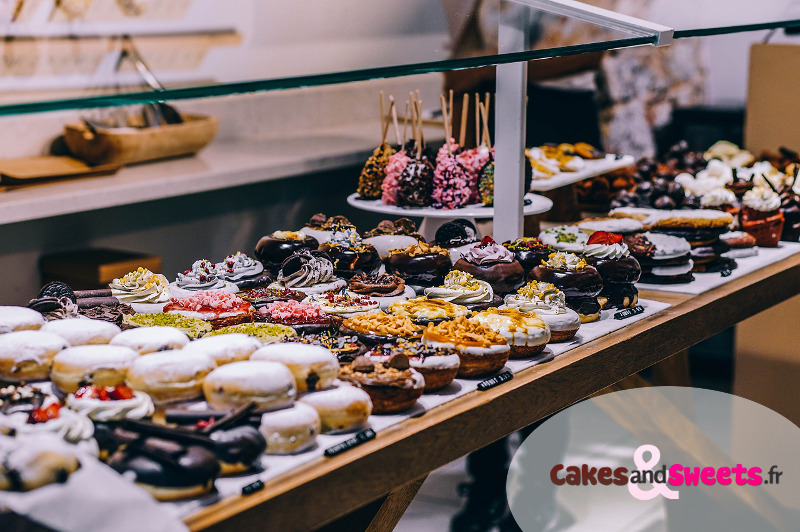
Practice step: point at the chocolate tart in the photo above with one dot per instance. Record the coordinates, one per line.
(273, 249)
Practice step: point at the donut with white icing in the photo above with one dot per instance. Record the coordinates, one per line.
(313, 366)
(146, 340)
(225, 348)
(171, 376)
(290, 430)
(19, 319)
(342, 408)
(103, 365)
(268, 384)
(82, 331)
(28, 355)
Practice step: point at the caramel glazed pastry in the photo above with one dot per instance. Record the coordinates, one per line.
(392, 386)
(482, 351)
(549, 304)
(527, 334)
(580, 283)
(422, 310)
(461, 288)
(380, 328)
(310, 272)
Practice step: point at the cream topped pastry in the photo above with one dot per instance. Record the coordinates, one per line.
(310, 272)
(201, 277)
(110, 403)
(550, 304)
(610, 255)
(482, 351)
(580, 282)
(526, 333)
(141, 286)
(51, 418)
(211, 305)
(422, 309)
(565, 238)
(614, 251)
(342, 304)
(762, 199)
(462, 288)
(493, 263)
(717, 198)
(238, 267)
(488, 252)
(564, 261)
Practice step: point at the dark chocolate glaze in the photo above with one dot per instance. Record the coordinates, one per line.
(584, 305)
(624, 270)
(272, 252)
(586, 283)
(648, 264)
(238, 445)
(57, 289)
(262, 279)
(456, 233)
(421, 270)
(167, 464)
(349, 262)
(620, 295)
(415, 185)
(709, 253)
(531, 259)
(667, 279)
(692, 235)
(505, 277)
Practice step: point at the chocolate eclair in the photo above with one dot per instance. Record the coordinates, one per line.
(274, 248)
(420, 264)
(580, 283)
(350, 254)
(493, 263)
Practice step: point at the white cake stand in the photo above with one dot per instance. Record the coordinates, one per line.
(432, 218)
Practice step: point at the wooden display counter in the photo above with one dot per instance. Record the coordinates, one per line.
(375, 481)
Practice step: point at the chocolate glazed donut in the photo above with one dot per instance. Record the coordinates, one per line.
(272, 252)
(420, 270)
(530, 258)
(505, 277)
(348, 262)
(620, 271)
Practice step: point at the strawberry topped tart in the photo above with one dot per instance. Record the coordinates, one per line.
(214, 306)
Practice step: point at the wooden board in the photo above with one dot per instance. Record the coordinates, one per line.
(413, 448)
(29, 170)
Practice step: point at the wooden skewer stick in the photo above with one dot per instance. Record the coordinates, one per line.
(393, 111)
(445, 123)
(462, 136)
(487, 138)
(450, 114)
(478, 137)
(387, 123)
(383, 117)
(405, 126)
(413, 103)
(419, 128)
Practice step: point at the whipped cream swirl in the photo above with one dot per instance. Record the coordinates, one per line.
(565, 261)
(539, 297)
(761, 199)
(71, 426)
(141, 286)
(346, 237)
(312, 268)
(488, 253)
(139, 407)
(239, 266)
(718, 197)
(202, 276)
(606, 251)
(462, 288)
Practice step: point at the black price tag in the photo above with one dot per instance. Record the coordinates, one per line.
(495, 381)
(628, 312)
(253, 487)
(726, 273)
(358, 439)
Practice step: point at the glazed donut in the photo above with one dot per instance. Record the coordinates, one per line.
(342, 408)
(28, 463)
(290, 430)
(103, 365)
(146, 340)
(268, 384)
(527, 334)
(82, 331)
(28, 355)
(19, 319)
(225, 348)
(313, 366)
(170, 376)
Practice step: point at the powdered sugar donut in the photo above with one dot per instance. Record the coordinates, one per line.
(103, 365)
(269, 384)
(313, 366)
(81, 331)
(225, 348)
(170, 376)
(146, 340)
(342, 408)
(290, 430)
(28, 355)
(19, 319)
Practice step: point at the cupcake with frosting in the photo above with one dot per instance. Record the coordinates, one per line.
(243, 271)
(142, 289)
(201, 277)
(762, 217)
(462, 288)
(550, 304)
(493, 263)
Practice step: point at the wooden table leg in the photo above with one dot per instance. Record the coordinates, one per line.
(673, 371)
(378, 516)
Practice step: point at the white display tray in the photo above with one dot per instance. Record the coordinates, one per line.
(433, 218)
(278, 465)
(708, 281)
(592, 169)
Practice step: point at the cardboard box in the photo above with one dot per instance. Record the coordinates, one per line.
(94, 268)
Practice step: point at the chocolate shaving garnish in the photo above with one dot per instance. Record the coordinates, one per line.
(363, 364)
(162, 431)
(399, 362)
(229, 420)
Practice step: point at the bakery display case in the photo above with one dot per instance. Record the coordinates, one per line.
(312, 301)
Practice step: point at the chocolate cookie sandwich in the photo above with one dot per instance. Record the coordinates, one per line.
(439, 366)
(664, 259)
(619, 270)
(702, 229)
(491, 262)
(742, 245)
(275, 248)
(393, 386)
(349, 254)
(309, 272)
(529, 251)
(393, 235)
(384, 288)
(243, 271)
(457, 236)
(580, 282)
(462, 288)
(420, 265)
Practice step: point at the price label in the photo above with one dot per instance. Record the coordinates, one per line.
(495, 381)
(358, 439)
(628, 312)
